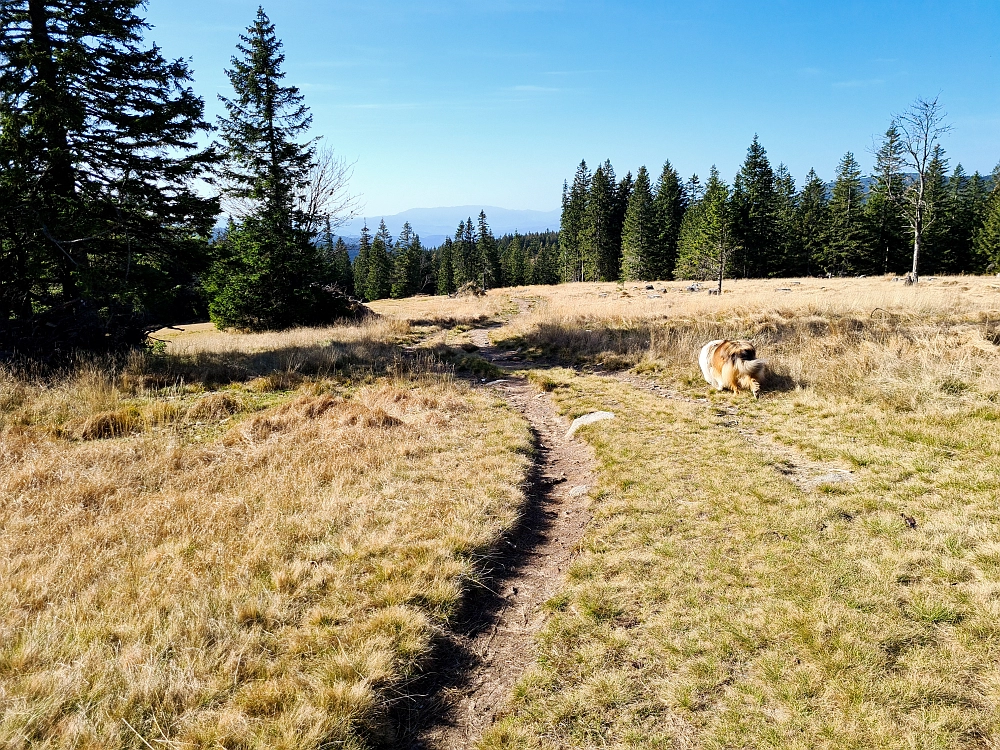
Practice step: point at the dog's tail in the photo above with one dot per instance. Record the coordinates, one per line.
(751, 373)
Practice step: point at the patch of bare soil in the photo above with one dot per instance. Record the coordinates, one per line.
(491, 641)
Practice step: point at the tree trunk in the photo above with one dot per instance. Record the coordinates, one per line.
(918, 230)
(58, 183)
(722, 268)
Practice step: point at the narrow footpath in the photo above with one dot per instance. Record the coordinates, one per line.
(491, 642)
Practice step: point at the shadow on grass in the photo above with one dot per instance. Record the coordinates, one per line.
(453, 664)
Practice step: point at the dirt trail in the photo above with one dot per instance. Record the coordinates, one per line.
(491, 642)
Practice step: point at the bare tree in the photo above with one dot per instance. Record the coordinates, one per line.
(325, 197)
(322, 197)
(920, 128)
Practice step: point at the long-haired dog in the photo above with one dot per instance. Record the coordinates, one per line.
(733, 365)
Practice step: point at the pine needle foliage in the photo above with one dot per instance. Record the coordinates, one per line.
(639, 233)
(101, 232)
(268, 272)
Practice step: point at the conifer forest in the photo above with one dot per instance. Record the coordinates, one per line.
(108, 231)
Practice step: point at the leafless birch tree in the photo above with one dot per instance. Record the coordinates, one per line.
(920, 128)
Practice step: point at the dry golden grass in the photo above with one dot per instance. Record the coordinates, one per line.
(248, 541)
(446, 311)
(244, 567)
(719, 604)
(202, 353)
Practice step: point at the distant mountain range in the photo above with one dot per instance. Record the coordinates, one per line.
(434, 224)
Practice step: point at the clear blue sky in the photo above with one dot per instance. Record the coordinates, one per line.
(494, 103)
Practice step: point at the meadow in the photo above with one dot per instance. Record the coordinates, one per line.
(239, 541)
(246, 541)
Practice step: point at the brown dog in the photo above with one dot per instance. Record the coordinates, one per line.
(733, 365)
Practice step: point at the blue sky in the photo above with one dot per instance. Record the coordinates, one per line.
(465, 102)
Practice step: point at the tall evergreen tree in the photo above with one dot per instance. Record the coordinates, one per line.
(516, 269)
(545, 263)
(361, 263)
(754, 203)
(598, 253)
(101, 230)
(339, 259)
(935, 245)
(406, 279)
(574, 209)
(884, 210)
(467, 263)
(954, 254)
(847, 248)
(445, 268)
(694, 191)
(380, 265)
(428, 271)
(986, 243)
(670, 202)
(487, 252)
(461, 258)
(707, 239)
(639, 233)
(813, 219)
(269, 273)
(977, 197)
(787, 258)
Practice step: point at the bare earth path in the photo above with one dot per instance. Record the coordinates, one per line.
(491, 642)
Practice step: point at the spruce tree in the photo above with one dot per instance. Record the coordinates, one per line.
(445, 268)
(515, 263)
(361, 263)
(545, 266)
(754, 203)
(574, 208)
(813, 221)
(101, 231)
(847, 248)
(339, 260)
(955, 246)
(428, 271)
(598, 252)
(623, 194)
(639, 233)
(461, 258)
(884, 210)
(986, 243)
(468, 268)
(787, 258)
(343, 273)
(706, 245)
(380, 264)
(694, 191)
(269, 273)
(936, 236)
(406, 264)
(670, 203)
(486, 250)
(977, 200)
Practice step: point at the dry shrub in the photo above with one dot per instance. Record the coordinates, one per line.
(216, 406)
(111, 424)
(276, 381)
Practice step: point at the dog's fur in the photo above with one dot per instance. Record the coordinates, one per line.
(733, 365)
